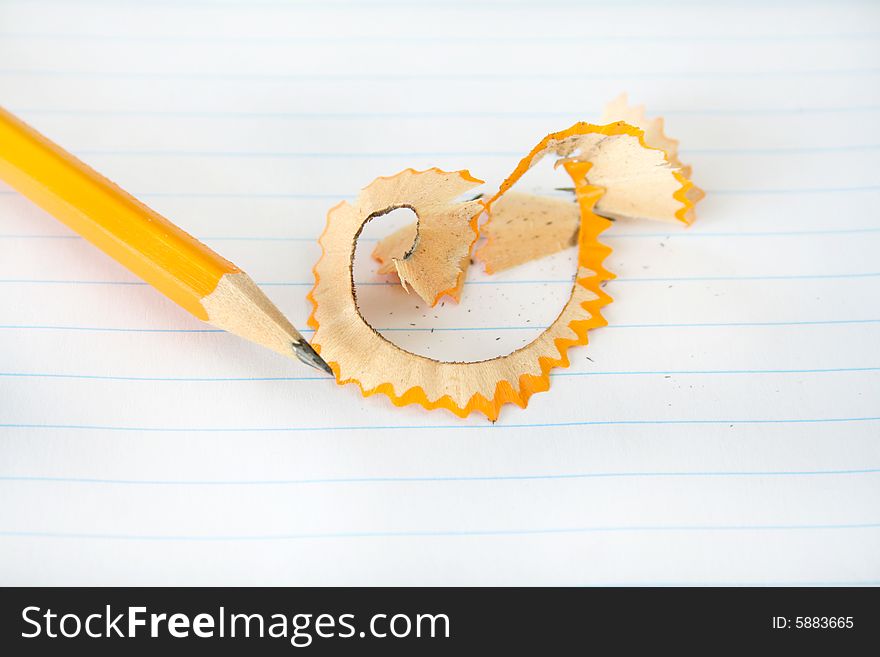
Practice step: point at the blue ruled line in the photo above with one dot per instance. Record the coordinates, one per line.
(527, 5)
(229, 379)
(435, 479)
(306, 155)
(111, 329)
(544, 281)
(436, 532)
(435, 77)
(311, 40)
(805, 190)
(605, 237)
(348, 197)
(50, 327)
(433, 115)
(445, 427)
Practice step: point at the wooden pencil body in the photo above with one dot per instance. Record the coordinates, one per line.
(142, 240)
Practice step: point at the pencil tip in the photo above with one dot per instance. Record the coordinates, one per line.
(309, 356)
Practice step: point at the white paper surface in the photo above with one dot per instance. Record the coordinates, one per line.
(725, 428)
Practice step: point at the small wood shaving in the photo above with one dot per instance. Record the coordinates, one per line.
(525, 227)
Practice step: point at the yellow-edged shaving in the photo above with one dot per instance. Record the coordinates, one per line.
(639, 170)
(393, 251)
(430, 256)
(358, 354)
(639, 181)
(619, 109)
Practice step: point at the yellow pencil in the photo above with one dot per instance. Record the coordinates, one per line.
(172, 261)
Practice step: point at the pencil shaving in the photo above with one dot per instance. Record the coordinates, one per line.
(524, 227)
(638, 167)
(639, 181)
(358, 354)
(612, 168)
(429, 256)
(394, 247)
(408, 255)
(619, 109)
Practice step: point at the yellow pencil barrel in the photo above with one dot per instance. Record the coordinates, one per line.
(150, 246)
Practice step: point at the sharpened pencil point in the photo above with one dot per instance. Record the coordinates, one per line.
(309, 356)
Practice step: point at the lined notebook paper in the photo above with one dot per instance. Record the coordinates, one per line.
(724, 428)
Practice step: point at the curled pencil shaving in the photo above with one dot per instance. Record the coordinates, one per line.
(431, 255)
(615, 154)
(619, 109)
(358, 354)
(639, 181)
(639, 169)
